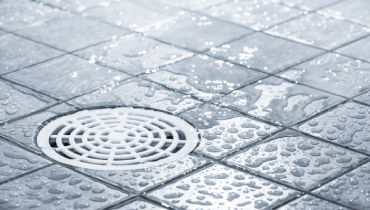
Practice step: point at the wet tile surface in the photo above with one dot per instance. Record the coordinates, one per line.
(134, 54)
(56, 188)
(77, 5)
(297, 160)
(257, 15)
(306, 5)
(334, 73)
(264, 52)
(16, 52)
(137, 92)
(224, 131)
(346, 125)
(320, 31)
(192, 4)
(204, 77)
(279, 101)
(312, 203)
(136, 205)
(365, 98)
(15, 161)
(196, 32)
(65, 77)
(357, 49)
(57, 33)
(219, 187)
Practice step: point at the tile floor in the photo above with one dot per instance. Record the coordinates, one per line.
(279, 91)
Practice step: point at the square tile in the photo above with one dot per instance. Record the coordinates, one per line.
(136, 93)
(193, 5)
(258, 15)
(16, 161)
(16, 53)
(144, 179)
(354, 10)
(334, 73)
(139, 204)
(72, 32)
(264, 52)
(134, 54)
(65, 77)
(196, 32)
(297, 160)
(365, 98)
(21, 14)
(310, 202)
(351, 189)
(320, 31)
(204, 77)
(224, 131)
(77, 5)
(358, 49)
(346, 125)
(57, 187)
(279, 101)
(306, 5)
(23, 131)
(222, 188)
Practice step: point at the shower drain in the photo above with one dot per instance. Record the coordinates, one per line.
(117, 139)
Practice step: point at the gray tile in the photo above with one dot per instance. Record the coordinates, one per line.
(16, 53)
(72, 32)
(345, 125)
(136, 93)
(143, 179)
(312, 203)
(139, 204)
(297, 160)
(222, 188)
(195, 32)
(56, 187)
(365, 98)
(354, 10)
(65, 77)
(320, 31)
(134, 54)
(15, 161)
(2, 33)
(21, 14)
(204, 77)
(193, 5)
(77, 5)
(23, 131)
(264, 52)
(357, 49)
(224, 131)
(279, 101)
(351, 189)
(306, 5)
(334, 73)
(258, 15)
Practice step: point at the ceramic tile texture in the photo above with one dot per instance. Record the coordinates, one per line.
(357, 49)
(306, 5)
(193, 5)
(77, 5)
(365, 98)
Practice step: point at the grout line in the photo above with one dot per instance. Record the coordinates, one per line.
(27, 173)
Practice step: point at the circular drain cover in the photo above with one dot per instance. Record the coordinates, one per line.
(117, 139)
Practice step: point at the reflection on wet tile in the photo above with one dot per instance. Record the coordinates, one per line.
(359, 49)
(136, 205)
(65, 77)
(20, 14)
(72, 32)
(192, 4)
(279, 101)
(264, 52)
(136, 92)
(15, 161)
(196, 32)
(16, 101)
(17, 53)
(56, 187)
(312, 203)
(351, 189)
(77, 5)
(220, 187)
(143, 179)
(134, 54)
(257, 15)
(334, 73)
(320, 31)
(204, 77)
(224, 131)
(297, 160)
(346, 125)
(354, 10)
(23, 131)
(365, 98)
(306, 5)
(125, 13)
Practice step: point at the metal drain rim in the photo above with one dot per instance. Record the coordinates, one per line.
(45, 133)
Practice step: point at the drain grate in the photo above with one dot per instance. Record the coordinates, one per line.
(117, 139)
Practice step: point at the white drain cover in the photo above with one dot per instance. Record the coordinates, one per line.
(117, 139)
